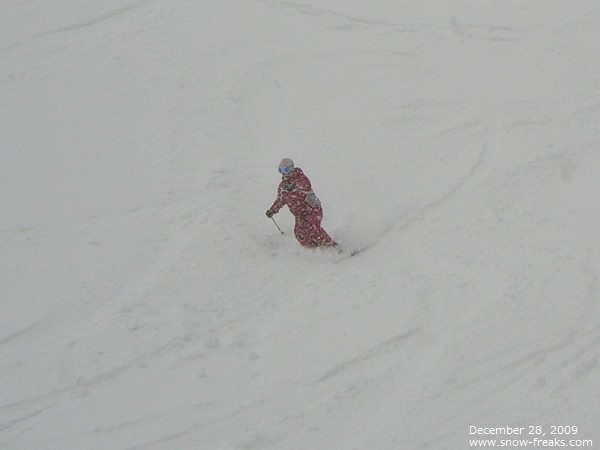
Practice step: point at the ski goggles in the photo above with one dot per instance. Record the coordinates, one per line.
(285, 170)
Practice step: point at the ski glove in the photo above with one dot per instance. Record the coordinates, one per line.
(269, 213)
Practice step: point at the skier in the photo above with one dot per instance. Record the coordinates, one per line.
(295, 191)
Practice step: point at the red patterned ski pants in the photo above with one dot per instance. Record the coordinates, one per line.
(309, 233)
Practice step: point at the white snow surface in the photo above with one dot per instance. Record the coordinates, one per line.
(146, 302)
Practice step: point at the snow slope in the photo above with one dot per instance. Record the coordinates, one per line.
(147, 303)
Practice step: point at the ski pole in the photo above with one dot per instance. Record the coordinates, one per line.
(276, 225)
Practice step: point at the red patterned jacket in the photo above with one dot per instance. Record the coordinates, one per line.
(296, 192)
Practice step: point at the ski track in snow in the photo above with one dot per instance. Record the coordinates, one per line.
(385, 347)
(313, 11)
(81, 24)
(477, 172)
(101, 18)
